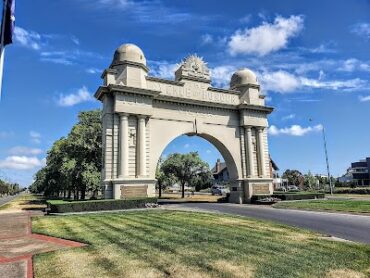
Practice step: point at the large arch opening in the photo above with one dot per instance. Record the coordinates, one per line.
(210, 150)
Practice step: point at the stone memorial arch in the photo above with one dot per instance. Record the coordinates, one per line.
(143, 114)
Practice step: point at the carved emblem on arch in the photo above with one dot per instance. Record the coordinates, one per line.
(193, 66)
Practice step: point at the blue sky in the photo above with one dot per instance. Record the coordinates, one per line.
(312, 59)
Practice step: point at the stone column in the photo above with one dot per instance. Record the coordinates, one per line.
(123, 149)
(141, 146)
(261, 152)
(249, 150)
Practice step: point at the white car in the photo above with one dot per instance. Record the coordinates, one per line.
(219, 190)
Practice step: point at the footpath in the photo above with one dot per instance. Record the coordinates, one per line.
(18, 244)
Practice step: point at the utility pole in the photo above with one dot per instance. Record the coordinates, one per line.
(327, 161)
(326, 158)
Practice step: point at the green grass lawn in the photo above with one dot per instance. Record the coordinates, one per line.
(188, 244)
(357, 206)
(24, 201)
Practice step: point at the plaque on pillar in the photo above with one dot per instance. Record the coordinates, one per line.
(261, 189)
(128, 192)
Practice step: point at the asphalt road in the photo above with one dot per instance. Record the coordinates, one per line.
(6, 199)
(345, 226)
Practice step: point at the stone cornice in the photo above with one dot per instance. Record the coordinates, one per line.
(224, 91)
(125, 62)
(265, 109)
(254, 86)
(172, 82)
(125, 89)
(199, 79)
(108, 70)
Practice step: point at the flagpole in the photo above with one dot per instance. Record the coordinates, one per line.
(2, 48)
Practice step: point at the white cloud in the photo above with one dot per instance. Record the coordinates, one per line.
(284, 82)
(207, 39)
(60, 61)
(38, 42)
(299, 99)
(344, 85)
(246, 19)
(120, 4)
(266, 38)
(93, 70)
(186, 146)
(21, 162)
(26, 38)
(35, 134)
(163, 69)
(294, 130)
(279, 81)
(323, 48)
(82, 95)
(353, 64)
(68, 57)
(364, 98)
(288, 117)
(221, 75)
(361, 29)
(75, 40)
(208, 151)
(19, 150)
(35, 137)
(154, 11)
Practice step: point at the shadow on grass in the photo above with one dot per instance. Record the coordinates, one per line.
(162, 240)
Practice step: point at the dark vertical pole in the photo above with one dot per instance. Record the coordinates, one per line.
(327, 161)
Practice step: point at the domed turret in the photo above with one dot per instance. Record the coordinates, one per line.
(129, 53)
(243, 77)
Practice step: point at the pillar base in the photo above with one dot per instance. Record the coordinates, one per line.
(133, 188)
(242, 191)
(108, 189)
(257, 186)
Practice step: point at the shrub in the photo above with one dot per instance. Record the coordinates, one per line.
(59, 206)
(224, 199)
(256, 198)
(299, 196)
(352, 190)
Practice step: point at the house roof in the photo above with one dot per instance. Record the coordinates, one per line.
(274, 166)
(223, 166)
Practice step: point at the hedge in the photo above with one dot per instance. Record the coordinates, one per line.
(59, 206)
(299, 196)
(352, 190)
(287, 196)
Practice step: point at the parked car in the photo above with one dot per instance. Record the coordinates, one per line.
(219, 190)
(293, 188)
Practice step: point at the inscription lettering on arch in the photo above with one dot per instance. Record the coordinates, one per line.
(195, 91)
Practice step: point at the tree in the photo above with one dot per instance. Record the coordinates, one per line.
(202, 180)
(293, 176)
(85, 146)
(310, 181)
(9, 188)
(74, 163)
(185, 168)
(4, 189)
